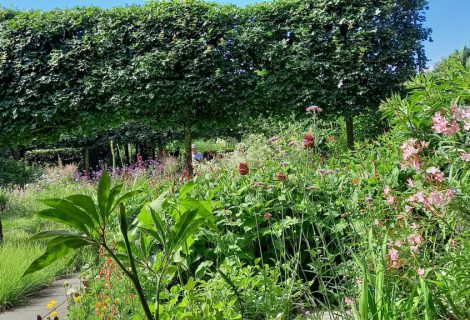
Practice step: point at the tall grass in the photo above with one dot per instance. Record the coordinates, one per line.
(16, 254)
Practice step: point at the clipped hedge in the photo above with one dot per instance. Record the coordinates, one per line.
(52, 156)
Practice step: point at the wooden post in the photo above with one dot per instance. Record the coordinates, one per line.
(350, 132)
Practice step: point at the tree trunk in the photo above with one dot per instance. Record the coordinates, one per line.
(87, 162)
(350, 132)
(127, 153)
(1, 231)
(113, 155)
(187, 147)
(16, 154)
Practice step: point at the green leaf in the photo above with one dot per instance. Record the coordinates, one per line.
(64, 218)
(103, 194)
(86, 203)
(112, 196)
(125, 196)
(53, 233)
(56, 249)
(69, 209)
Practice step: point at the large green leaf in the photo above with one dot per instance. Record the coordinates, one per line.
(104, 186)
(63, 217)
(86, 203)
(113, 194)
(184, 228)
(124, 197)
(54, 233)
(56, 249)
(69, 209)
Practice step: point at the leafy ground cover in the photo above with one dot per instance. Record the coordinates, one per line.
(289, 225)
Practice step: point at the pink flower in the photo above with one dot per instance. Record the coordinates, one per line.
(436, 198)
(410, 183)
(413, 226)
(393, 255)
(273, 139)
(313, 109)
(466, 125)
(452, 129)
(460, 114)
(417, 197)
(420, 272)
(390, 199)
(450, 194)
(415, 239)
(465, 156)
(441, 125)
(408, 148)
(398, 244)
(291, 143)
(386, 190)
(435, 174)
(348, 301)
(408, 208)
(267, 216)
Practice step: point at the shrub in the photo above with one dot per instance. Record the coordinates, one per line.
(54, 156)
(14, 172)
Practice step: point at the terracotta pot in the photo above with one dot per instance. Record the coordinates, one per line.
(243, 168)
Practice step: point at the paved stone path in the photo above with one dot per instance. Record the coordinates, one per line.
(37, 304)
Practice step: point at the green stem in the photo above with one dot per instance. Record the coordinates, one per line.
(135, 281)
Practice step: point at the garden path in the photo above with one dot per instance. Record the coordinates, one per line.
(37, 304)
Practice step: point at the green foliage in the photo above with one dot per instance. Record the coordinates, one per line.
(16, 253)
(54, 156)
(199, 65)
(14, 172)
(92, 219)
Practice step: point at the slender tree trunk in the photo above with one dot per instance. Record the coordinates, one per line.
(350, 132)
(187, 147)
(87, 162)
(1, 231)
(127, 153)
(113, 155)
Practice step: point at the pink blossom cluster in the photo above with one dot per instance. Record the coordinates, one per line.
(434, 199)
(435, 174)
(414, 241)
(411, 149)
(390, 199)
(463, 115)
(313, 109)
(450, 127)
(465, 156)
(441, 125)
(393, 254)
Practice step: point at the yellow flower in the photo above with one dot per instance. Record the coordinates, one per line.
(51, 304)
(77, 298)
(54, 313)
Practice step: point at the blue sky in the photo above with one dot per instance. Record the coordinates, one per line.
(447, 18)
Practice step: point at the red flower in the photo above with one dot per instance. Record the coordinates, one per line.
(309, 140)
(243, 168)
(267, 216)
(281, 176)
